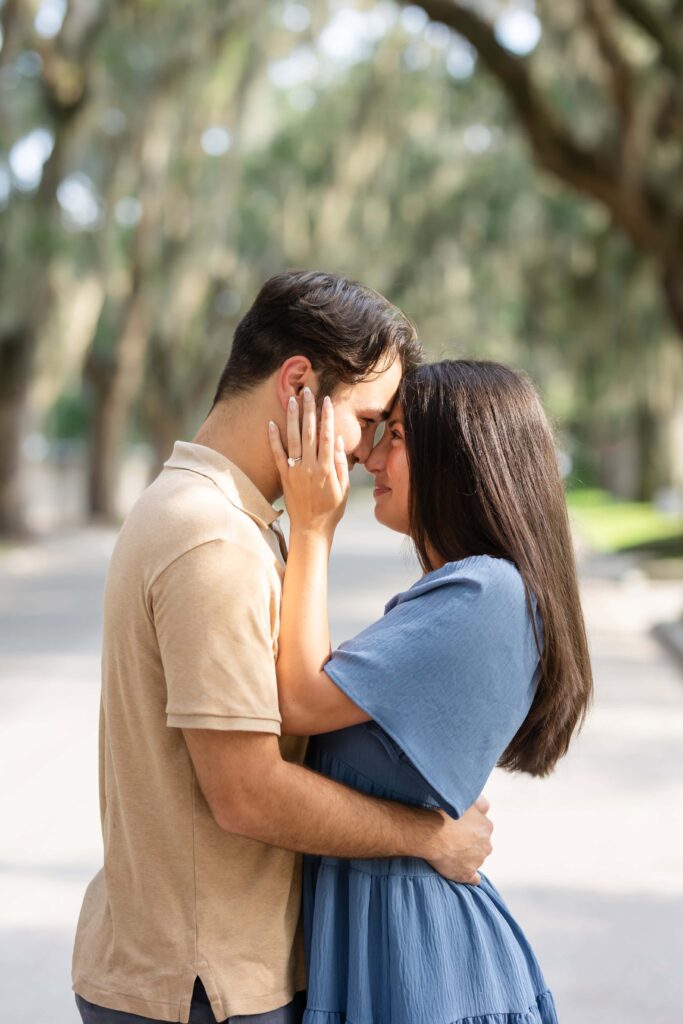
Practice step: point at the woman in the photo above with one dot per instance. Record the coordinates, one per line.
(483, 661)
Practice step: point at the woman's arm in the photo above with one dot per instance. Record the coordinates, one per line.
(309, 701)
(315, 490)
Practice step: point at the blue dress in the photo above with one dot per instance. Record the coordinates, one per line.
(448, 676)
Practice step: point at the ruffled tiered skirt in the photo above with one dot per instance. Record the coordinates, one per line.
(391, 942)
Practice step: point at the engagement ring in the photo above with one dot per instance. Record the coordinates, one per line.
(293, 462)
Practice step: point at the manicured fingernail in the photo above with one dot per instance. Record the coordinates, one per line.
(327, 402)
(308, 394)
(271, 426)
(292, 403)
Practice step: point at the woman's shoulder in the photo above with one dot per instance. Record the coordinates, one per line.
(486, 569)
(479, 578)
(478, 594)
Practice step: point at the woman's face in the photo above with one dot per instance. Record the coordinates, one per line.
(388, 463)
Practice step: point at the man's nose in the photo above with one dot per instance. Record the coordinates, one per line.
(363, 453)
(373, 460)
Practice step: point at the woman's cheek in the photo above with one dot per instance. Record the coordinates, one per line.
(403, 490)
(406, 511)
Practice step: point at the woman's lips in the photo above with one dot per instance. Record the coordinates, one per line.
(380, 490)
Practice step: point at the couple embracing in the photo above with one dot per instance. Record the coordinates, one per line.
(217, 666)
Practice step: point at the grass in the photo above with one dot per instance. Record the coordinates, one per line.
(608, 524)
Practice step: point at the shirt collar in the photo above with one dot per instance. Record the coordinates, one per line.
(235, 485)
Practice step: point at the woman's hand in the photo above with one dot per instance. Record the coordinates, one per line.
(315, 477)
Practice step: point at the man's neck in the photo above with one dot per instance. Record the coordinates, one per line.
(238, 429)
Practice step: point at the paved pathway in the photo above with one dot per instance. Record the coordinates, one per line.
(590, 860)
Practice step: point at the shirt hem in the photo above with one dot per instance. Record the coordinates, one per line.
(224, 723)
(126, 1003)
(173, 1011)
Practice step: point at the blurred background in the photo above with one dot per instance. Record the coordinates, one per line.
(511, 175)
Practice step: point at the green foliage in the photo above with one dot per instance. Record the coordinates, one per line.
(68, 418)
(381, 165)
(610, 525)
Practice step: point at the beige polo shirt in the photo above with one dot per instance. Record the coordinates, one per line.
(190, 639)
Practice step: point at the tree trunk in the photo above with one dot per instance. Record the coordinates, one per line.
(652, 456)
(114, 379)
(16, 356)
(29, 224)
(164, 433)
(672, 283)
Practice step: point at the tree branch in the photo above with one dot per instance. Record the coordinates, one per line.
(658, 30)
(641, 212)
(10, 25)
(552, 142)
(598, 18)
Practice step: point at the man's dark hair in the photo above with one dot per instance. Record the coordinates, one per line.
(345, 328)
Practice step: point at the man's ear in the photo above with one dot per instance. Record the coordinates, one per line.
(294, 375)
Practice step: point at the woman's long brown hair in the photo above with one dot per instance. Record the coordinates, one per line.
(484, 480)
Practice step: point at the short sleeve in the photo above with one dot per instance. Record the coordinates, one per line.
(449, 673)
(214, 612)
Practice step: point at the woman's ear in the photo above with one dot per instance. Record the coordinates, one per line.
(294, 375)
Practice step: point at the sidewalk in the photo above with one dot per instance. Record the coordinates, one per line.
(589, 860)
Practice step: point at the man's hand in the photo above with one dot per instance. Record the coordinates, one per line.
(462, 846)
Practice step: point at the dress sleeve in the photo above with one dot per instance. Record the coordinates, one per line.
(449, 673)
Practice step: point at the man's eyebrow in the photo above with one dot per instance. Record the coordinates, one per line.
(374, 414)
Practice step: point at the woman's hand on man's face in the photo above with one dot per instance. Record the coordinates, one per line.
(315, 476)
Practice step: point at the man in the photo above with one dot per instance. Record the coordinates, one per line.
(194, 915)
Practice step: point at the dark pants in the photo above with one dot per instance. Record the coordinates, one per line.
(200, 1012)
